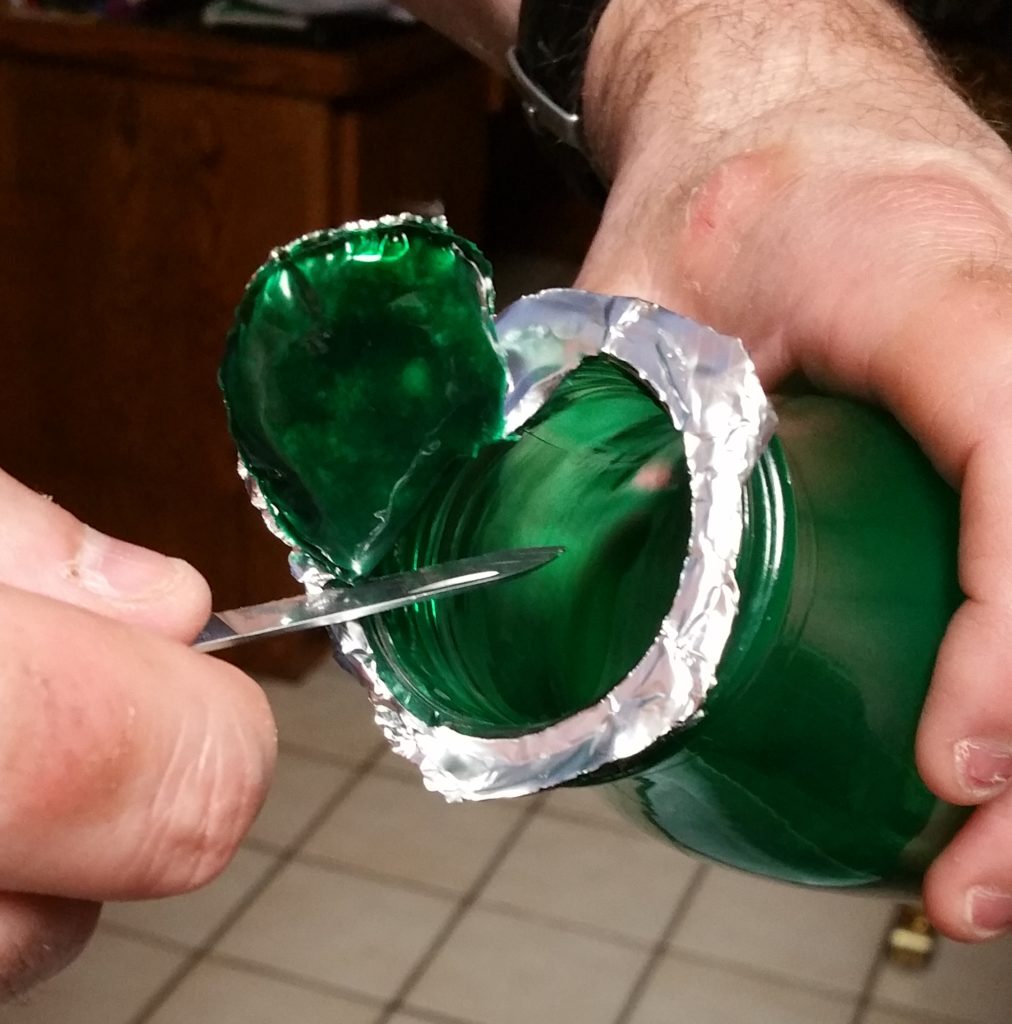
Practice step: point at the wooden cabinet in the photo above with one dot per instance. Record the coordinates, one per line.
(144, 175)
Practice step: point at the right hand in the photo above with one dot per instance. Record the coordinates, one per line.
(801, 176)
(132, 766)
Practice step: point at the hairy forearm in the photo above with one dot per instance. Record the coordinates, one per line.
(485, 27)
(704, 79)
(692, 82)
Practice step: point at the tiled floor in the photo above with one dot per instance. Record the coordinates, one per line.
(360, 898)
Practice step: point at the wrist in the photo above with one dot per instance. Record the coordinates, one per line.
(690, 84)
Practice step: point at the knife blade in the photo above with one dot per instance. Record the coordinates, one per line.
(345, 604)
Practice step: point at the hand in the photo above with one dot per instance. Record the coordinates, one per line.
(132, 766)
(801, 176)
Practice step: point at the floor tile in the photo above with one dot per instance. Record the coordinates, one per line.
(107, 984)
(410, 1018)
(587, 803)
(824, 938)
(226, 995)
(300, 789)
(327, 712)
(191, 919)
(397, 767)
(680, 990)
(401, 829)
(497, 969)
(876, 1015)
(618, 882)
(337, 928)
(971, 982)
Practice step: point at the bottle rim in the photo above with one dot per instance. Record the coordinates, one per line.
(709, 387)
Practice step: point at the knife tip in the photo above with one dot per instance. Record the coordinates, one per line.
(513, 563)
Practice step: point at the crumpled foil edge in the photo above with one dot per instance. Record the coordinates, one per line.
(709, 386)
(306, 570)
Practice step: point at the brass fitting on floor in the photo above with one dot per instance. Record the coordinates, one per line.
(911, 940)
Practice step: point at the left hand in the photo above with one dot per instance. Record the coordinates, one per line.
(864, 237)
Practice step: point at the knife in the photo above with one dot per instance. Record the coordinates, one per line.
(345, 604)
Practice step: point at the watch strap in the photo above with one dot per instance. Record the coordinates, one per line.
(548, 65)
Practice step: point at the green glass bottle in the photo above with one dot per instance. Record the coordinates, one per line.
(737, 642)
(802, 767)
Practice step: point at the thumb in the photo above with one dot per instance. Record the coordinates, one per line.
(132, 766)
(45, 550)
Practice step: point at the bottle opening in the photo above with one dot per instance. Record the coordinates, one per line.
(384, 423)
(599, 470)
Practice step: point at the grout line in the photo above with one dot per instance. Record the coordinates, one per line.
(745, 970)
(337, 866)
(467, 901)
(628, 829)
(919, 1016)
(264, 846)
(871, 977)
(308, 753)
(287, 854)
(660, 948)
(563, 924)
(398, 774)
(325, 988)
(431, 1015)
(125, 931)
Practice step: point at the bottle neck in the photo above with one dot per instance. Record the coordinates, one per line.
(765, 574)
(599, 471)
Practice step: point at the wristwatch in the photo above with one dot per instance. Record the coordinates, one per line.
(547, 66)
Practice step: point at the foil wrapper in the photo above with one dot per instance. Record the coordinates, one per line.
(309, 572)
(709, 387)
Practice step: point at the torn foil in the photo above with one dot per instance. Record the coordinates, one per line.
(709, 387)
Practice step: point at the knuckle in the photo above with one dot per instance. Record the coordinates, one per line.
(735, 191)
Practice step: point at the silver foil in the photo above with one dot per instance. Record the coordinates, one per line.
(313, 576)
(710, 388)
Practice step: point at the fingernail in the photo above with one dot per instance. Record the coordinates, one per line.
(989, 910)
(984, 766)
(115, 569)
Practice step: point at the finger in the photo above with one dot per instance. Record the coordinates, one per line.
(40, 935)
(817, 272)
(893, 285)
(132, 766)
(964, 746)
(956, 398)
(968, 890)
(46, 550)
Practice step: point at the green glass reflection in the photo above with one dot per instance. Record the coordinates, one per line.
(600, 470)
(360, 364)
(365, 393)
(803, 766)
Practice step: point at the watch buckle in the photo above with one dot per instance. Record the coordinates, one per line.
(541, 110)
